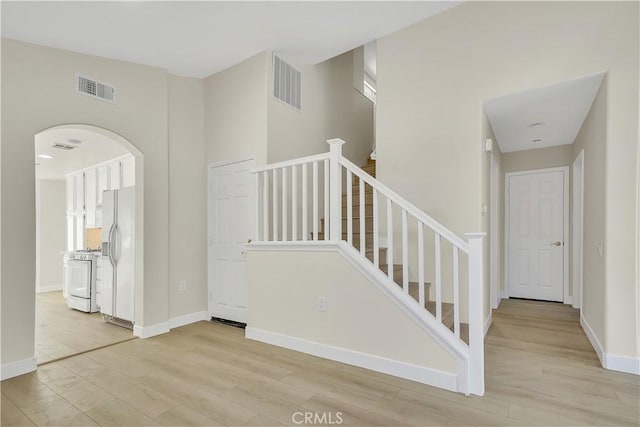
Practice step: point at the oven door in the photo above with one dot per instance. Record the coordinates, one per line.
(78, 278)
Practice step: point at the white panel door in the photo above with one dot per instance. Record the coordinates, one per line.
(230, 223)
(536, 236)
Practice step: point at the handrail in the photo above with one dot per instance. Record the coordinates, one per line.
(409, 207)
(293, 162)
(325, 185)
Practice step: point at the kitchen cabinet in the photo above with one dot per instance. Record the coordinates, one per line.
(99, 281)
(70, 193)
(71, 241)
(115, 175)
(78, 192)
(102, 173)
(91, 197)
(128, 168)
(79, 225)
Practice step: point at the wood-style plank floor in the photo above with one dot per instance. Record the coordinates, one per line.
(62, 332)
(540, 370)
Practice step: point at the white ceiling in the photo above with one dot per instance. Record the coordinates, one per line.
(94, 148)
(197, 39)
(552, 114)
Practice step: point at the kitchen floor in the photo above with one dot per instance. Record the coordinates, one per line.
(62, 332)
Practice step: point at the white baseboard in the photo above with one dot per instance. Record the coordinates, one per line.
(185, 319)
(20, 367)
(151, 331)
(615, 362)
(630, 365)
(593, 339)
(487, 323)
(396, 368)
(174, 322)
(44, 289)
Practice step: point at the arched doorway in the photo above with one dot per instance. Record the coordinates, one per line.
(86, 161)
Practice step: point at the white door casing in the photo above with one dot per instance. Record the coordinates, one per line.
(230, 218)
(536, 219)
(577, 230)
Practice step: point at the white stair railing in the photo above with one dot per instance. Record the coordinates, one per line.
(273, 182)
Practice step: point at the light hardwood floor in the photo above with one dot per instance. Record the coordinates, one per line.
(62, 332)
(540, 371)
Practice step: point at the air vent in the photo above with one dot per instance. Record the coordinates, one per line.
(287, 83)
(63, 146)
(95, 89)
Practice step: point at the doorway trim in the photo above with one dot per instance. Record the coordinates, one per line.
(494, 234)
(210, 226)
(577, 230)
(566, 298)
(138, 298)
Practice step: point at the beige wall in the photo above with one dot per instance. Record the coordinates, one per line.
(485, 200)
(541, 158)
(433, 77)
(187, 197)
(235, 112)
(378, 327)
(37, 93)
(331, 108)
(592, 139)
(50, 233)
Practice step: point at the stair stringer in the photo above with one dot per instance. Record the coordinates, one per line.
(424, 319)
(421, 317)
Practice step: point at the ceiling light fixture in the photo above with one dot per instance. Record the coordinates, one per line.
(45, 156)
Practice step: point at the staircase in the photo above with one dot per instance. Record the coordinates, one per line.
(370, 168)
(326, 202)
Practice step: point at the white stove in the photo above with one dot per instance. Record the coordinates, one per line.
(80, 280)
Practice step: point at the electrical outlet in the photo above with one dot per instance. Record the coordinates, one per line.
(322, 304)
(183, 285)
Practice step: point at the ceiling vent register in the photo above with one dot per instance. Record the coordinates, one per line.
(95, 89)
(287, 83)
(63, 146)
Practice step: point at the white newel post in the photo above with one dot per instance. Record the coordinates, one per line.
(476, 316)
(335, 189)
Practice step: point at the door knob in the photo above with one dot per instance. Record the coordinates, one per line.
(556, 243)
(249, 241)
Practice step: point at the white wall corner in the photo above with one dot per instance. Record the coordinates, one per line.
(186, 319)
(630, 365)
(151, 331)
(421, 374)
(593, 339)
(20, 367)
(487, 323)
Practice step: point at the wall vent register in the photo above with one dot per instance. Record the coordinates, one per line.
(287, 83)
(95, 89)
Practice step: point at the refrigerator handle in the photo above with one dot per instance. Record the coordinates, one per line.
(111, 259)
(114, 245)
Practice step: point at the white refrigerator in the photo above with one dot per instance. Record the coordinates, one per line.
(118, 245)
